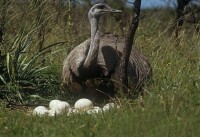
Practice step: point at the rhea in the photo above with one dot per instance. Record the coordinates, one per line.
(92, 68)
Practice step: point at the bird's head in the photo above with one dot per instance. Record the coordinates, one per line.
(100, 9)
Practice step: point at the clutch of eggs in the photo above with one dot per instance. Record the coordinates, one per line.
(57, 107)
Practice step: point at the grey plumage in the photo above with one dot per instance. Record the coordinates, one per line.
(96, 61)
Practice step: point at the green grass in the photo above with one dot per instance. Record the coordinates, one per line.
(154, 120)
(170, 106)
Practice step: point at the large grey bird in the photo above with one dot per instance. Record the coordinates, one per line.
(92, 68)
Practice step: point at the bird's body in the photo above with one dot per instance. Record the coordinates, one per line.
(94, 65)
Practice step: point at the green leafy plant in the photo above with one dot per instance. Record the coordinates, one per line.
(24, 71)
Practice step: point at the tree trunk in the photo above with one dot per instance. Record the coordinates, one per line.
(128, 46)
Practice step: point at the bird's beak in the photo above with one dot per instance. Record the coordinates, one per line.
(112, 11)
(115, 11)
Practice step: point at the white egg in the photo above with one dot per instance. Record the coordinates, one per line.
(91, 111)
(72, 111)
(62, 107)
(40, 110)
(95, 110)
(83, 105)
(52, 112)
(53, 104)
(58, 106)
(108, 106)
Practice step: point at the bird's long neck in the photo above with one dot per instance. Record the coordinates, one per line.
(94, 44)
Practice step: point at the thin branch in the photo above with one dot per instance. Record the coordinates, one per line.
(128, 44)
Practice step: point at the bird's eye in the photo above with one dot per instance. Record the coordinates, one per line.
(101, 7)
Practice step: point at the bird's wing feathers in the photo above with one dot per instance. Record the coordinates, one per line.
(107, 59)
(110, 51)
(108, 54)
(74, 60)
(111, 48)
